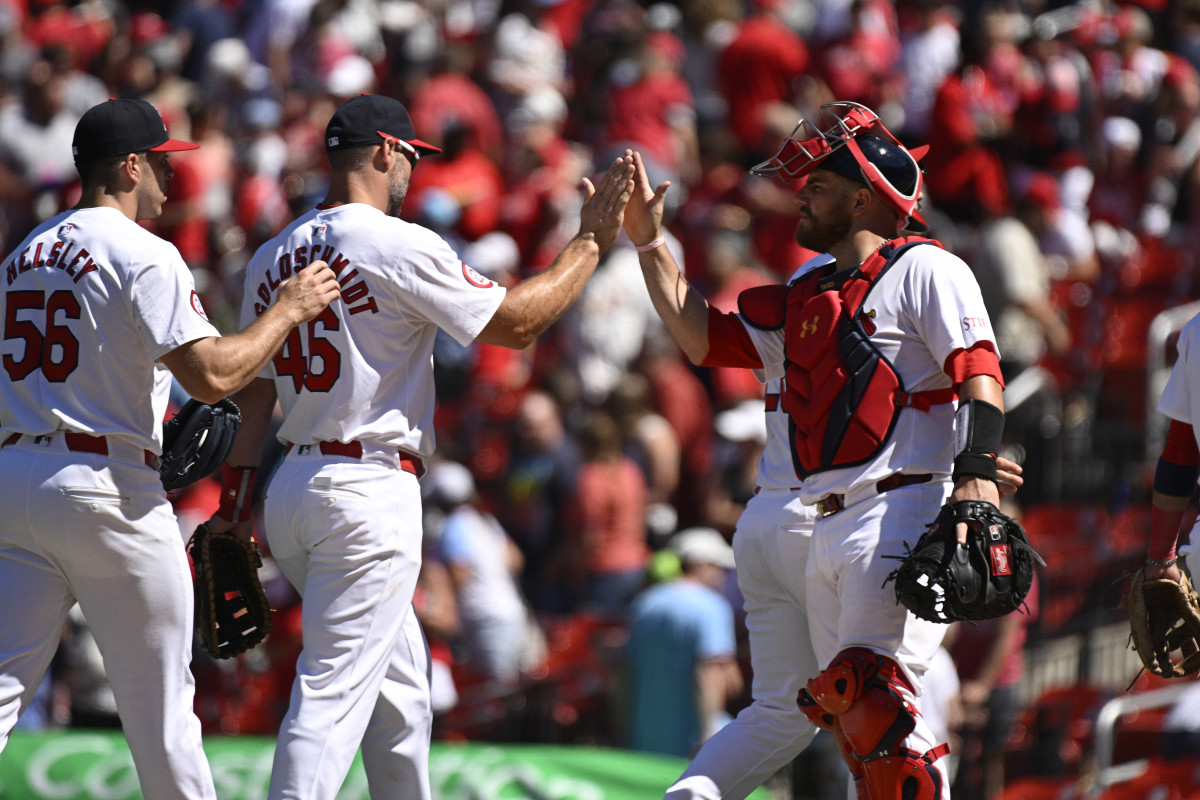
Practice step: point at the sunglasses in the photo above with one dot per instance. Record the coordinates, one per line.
(409, 151)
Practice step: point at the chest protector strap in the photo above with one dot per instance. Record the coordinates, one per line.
(843, 396)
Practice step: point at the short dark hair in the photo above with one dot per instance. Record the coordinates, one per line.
(102, 171)
(351, 158)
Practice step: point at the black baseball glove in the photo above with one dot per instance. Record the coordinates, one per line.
(232, 614)
(943, 581)
(196, 441)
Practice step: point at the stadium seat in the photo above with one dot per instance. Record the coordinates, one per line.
(1162, 780)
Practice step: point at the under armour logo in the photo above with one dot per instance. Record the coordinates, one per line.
(809, 326)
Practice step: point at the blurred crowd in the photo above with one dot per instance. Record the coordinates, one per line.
(1063, 167)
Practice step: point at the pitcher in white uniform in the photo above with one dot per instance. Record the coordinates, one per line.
(343, 511)
(99, 314)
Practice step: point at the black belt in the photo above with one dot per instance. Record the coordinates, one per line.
(82, 443)
(833, 503)
(408, 462)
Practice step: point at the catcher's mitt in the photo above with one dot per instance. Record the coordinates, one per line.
(196, 441)
(232, 614)
(1164, 617)
(942, 581)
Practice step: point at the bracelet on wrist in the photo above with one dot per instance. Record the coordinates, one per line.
(651, 245)
(1162, 563)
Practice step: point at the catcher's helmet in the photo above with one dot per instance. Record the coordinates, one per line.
(855, 145)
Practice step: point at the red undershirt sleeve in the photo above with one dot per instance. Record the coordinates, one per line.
(729, 344)
(978, 359)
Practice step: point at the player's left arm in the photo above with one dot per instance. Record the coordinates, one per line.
(979, 426)
(239, 473)
(1174, 481)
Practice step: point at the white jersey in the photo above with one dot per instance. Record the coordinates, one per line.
(363, 369)
(776, 468)
(1181, 399)
(92, 301)
(926, 307)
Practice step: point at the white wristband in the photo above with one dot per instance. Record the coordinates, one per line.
(659, 242)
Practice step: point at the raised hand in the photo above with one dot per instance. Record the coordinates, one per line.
(643, 215)
(603, 208)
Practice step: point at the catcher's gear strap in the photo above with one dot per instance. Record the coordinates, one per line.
(978, 428)
(237, 492)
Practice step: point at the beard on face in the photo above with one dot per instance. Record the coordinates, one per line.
(397, 191)
(821, 235)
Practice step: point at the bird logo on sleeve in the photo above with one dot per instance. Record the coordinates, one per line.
(475, 279)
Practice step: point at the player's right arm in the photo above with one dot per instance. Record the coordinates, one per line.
(683, 310)
(530, 307)
(211, 368)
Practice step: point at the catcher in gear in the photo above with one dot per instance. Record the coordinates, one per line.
(196, 441)
(232, 613)
(941, 580)
(878, 450)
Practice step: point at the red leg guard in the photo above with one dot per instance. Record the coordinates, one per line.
(904, 776)
(872, 724)
(857, 773)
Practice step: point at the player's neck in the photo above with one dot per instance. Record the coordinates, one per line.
(102, 197)
(352, 188)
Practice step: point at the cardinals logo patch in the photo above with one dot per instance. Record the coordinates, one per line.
(475, 279)
(197, 306)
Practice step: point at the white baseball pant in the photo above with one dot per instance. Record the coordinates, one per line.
(347, 534)
(851, 607)
(98, 530)
(771, 547)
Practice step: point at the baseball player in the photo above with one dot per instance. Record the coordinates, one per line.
(771, 546)
(99, 314)
(875, 350)
(1179, 463)
(343, 510)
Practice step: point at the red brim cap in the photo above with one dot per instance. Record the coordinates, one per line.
(172, 145)
(424, 147)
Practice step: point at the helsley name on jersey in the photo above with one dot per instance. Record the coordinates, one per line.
(64, 255)
(301, 257)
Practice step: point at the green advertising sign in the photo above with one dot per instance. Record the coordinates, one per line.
(79, 765)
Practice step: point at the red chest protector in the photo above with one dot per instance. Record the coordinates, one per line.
(842, 395)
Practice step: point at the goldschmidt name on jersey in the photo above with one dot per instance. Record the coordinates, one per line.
(356, 295)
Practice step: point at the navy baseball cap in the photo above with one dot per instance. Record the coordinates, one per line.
(120, 127)
(364, 120)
